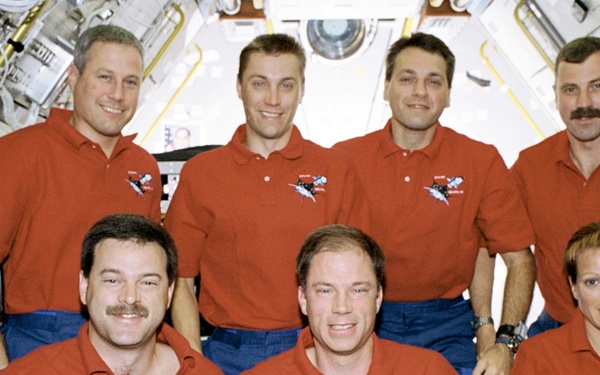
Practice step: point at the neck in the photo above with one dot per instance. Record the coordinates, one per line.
(593, 335)
(149, 358)
(107, 143)
(585, 155)
(265, 147)
(411, 139)
(357, 363)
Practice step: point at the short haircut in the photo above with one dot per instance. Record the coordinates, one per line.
(128, 228)
(426, 42)
(338, 237)
(273, 45)
(578, 50)
(587, 237)
(102, 33)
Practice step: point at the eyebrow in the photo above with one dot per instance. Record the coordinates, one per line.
(261, 76)
(119, 272)
(356, 283)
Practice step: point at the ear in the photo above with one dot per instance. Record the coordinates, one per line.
(238, 86)
(83, 284)
(170, 293)
(448, 98)
(574, 289)
(386, 86)
(301, 94)
(302, 300)
(379, 297)
(72, 76)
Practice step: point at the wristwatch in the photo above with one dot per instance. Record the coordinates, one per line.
(478, 321)
(511, 336)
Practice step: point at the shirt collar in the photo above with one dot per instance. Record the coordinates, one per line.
(94, 364)
(578, 341)
(242, 155)
(306, 340)
(388, 146)
(59, 120)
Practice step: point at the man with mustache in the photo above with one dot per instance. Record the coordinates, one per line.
(558, 177)
(128, 271)
(63, 175)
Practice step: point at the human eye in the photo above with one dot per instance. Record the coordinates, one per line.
(259, 84)
(324, 291)
(596, 86)
(110, 280)
(569, 90)
(435, 82)
(131, 82)
(287, 85)
(591, 282)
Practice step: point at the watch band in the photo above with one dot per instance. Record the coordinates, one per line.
(479, 321)
(505, 329)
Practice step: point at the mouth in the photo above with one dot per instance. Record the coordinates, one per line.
(341, 327)
(112, 110)
(270, 114)
(129, 316)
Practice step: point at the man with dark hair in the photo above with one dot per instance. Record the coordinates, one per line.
(559, 177)
(128, 268)
(438, 193)
(65, 174)
(241, 211)
(340, 272)
(575, 347)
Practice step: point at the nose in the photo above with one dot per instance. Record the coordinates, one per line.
(584, 99)
(116, 92)
(342, 304)
(273, 97)
(420, 88)
(129, 294)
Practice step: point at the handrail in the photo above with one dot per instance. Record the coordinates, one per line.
(166, 45)
(529, 36)
(512, 96)
(174, 97)
(21, 32)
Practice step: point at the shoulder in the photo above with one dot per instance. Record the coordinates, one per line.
(461, 142)
(359, 143)
(280, 364)
(542, 150)
(60, 358)
(26, 137)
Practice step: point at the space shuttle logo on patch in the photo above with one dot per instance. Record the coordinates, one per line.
(443, 192)
(309, 189)
(140, 184)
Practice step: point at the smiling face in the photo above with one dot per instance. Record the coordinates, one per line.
(418, 90)
(127, 293)
(577, 92)
(341, 300)
(587, 288)
(271, 89)
(106, 93)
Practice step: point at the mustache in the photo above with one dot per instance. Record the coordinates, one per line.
(585, 112)
(127, 309)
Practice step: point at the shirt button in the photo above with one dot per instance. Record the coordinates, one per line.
(407, 179)
(405, 154)
(267, 178)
